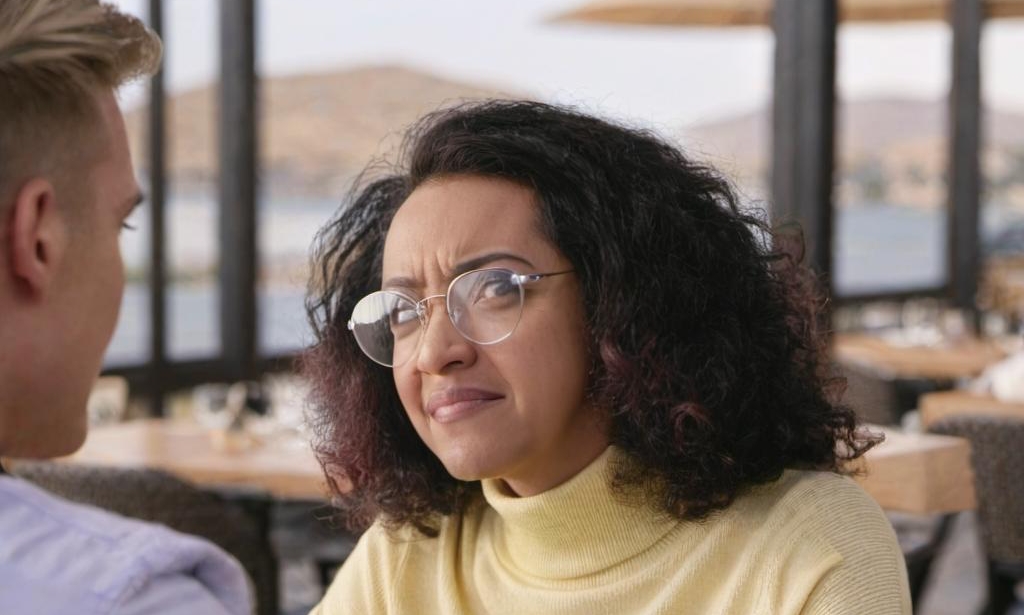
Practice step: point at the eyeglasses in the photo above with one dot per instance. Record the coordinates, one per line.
(484, 306)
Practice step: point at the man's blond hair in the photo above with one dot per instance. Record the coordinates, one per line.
(55, 56)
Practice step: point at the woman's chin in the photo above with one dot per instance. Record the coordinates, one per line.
(466, 470)
(470, 464)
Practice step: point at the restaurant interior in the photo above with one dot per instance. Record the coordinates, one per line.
(912, 214)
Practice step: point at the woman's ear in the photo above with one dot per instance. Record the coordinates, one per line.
(37, 237)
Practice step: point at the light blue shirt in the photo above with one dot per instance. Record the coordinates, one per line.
(57, 557)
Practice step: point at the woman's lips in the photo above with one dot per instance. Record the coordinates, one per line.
(453, 404)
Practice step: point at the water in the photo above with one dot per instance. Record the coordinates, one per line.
(883, 248)
(286, 229)
(194, 327)
(878, 248)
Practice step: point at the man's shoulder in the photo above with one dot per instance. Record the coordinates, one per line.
(53, 550)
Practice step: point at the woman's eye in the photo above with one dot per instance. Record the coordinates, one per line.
(402, 316)
(502, 288)
(496, 288)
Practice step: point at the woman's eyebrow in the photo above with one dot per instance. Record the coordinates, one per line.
(399, 282)
(486, 259)
(463, 267)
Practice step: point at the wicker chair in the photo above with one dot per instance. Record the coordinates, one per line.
(881, 399)
(238, 525)
(873, 397)
(997, 456)
(876, 397)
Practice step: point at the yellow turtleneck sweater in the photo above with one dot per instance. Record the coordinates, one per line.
(810, 543)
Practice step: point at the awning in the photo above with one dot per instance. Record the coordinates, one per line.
(725, 13)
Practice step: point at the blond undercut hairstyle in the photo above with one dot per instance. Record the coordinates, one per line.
(55, 56)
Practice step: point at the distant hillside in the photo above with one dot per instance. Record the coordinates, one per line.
(865, 126)
(318, 130)
(887, 149)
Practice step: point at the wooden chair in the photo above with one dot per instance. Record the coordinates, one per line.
(239, 525)
(997, 457)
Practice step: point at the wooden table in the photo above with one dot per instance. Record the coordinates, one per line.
(919, 473)
(923, 474)
(282, 465)
(950, 360)
(936, 406)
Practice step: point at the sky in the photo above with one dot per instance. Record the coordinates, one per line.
(658, 76)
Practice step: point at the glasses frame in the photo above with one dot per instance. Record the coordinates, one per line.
(423, 312)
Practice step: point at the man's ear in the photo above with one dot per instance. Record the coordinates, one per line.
(36, 236)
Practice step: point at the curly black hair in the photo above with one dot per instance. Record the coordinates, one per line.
(708, 354)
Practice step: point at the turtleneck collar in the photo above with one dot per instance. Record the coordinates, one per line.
(580, 527)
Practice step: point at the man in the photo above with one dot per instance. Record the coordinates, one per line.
(66, 189)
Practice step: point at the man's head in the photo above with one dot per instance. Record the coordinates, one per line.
(66, 187)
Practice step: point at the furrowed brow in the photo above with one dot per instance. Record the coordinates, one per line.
(478, 262)
(487, 259)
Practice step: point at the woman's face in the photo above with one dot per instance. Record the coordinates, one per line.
(514, 410)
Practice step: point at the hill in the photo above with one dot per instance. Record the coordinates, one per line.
(319, 130)
(887, 149)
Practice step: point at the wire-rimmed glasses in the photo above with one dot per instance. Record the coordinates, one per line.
(484, 306)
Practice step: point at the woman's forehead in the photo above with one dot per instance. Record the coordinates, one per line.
(446, 221)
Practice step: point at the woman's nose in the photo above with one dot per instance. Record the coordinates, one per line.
(441, 346)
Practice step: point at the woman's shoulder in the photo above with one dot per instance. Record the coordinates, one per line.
(872, 576)
(384, 541)
(388, 557)
(800, 495)
(831, 518)
(821, 521)
(820, 511)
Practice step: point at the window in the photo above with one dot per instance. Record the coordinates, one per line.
(891, 141)
(1001, 287)
(191, 69)
(340, 81)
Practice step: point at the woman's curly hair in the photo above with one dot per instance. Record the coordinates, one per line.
(706, 346)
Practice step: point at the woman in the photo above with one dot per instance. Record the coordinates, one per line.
(625, 409)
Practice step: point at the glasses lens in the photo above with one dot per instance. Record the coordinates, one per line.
(485, 305)
(385, 325)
